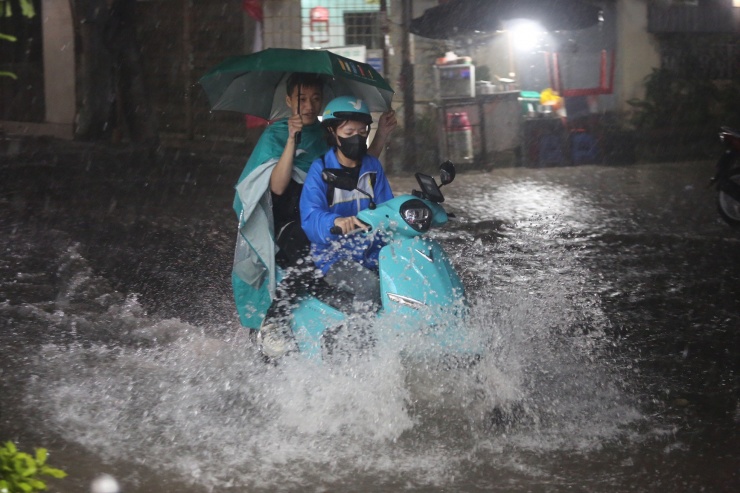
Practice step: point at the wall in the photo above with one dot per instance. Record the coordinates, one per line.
(637, 51)
(175, 57)
(44, 104)
(282, 26)
(218, 30)
(59, 59)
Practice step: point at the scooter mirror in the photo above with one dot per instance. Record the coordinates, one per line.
(339, 178)
(446, 172)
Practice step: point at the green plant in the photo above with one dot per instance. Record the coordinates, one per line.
(427, 157)
(27, 10)
(672, 99)
(19, 471)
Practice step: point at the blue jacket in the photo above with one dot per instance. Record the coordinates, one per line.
(317, 216)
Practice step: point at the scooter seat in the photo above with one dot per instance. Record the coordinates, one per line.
(306, 284)
(335, 298)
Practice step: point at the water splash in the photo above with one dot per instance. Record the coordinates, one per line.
(213, 413)
(204, 408)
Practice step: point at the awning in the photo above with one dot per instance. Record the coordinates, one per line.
(466, 17)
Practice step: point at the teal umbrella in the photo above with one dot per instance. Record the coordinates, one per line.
(255, 84)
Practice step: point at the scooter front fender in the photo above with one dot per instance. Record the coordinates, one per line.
(726, 166)
(416, 275)
(311, 317)
(723, 167)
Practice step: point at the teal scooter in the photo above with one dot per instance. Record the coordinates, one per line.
(421, 293)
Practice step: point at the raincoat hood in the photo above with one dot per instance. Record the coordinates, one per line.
(269, 148)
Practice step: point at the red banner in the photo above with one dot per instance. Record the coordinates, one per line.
(254, 9)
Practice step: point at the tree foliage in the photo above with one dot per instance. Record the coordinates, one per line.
(673, 100)
(27, 10)
(6, 10)
(20, 472)
(697, 85)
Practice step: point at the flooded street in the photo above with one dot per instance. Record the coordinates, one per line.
(607, 299)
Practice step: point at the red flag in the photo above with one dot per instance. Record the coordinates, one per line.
(253, 8)
(255, 121)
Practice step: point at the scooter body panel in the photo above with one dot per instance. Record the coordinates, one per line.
(310, 319)
(421, 292)
(724, 165)
(415, 273)
(727, 166)
(726, 179)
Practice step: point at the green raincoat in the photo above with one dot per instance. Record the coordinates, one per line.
(253, 276)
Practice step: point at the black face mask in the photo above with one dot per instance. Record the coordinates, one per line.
(354, 147)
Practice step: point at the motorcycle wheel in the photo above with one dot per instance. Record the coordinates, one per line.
(728, 207)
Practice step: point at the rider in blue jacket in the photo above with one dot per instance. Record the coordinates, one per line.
(348, 261)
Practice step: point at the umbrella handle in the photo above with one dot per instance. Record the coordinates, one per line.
(298, 134)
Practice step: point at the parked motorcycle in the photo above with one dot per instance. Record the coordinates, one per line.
(727, 177)
(420, 290)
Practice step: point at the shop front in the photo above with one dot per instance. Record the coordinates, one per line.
(478, 121)
(490, 123)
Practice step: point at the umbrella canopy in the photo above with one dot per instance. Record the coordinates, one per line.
(464, 17)
(255, 84)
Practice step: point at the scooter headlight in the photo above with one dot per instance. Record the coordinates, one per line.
(417, 214)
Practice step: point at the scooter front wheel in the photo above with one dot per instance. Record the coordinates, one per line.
(275, 338)
(728, 207)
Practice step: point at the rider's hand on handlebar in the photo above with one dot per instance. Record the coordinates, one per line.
(349, 224)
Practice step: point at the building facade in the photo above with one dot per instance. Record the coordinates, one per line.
(181, 39)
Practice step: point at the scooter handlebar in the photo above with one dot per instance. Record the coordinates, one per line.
(335, 230)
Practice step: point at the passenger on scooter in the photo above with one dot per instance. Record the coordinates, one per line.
(348, 261)
(279, 164)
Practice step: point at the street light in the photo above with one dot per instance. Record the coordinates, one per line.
(525, 35)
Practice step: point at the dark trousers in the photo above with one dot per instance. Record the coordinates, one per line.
(352, 277)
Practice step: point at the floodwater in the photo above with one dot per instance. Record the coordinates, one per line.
(606, 299)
